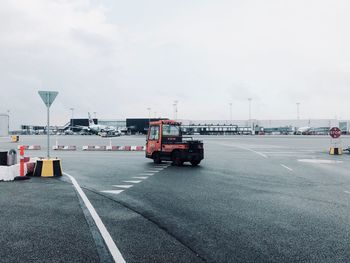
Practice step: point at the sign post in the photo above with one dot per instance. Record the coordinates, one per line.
(336, 148)
(48, 97)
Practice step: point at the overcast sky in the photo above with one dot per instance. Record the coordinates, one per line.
(118, 58)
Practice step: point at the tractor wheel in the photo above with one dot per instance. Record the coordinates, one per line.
(176, 158)
(195, 163)
(156, 158)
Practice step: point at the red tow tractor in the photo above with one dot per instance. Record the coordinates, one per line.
(166, 143)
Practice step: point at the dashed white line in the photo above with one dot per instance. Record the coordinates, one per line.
(148, 174)
(123, 185)
(152, 171)
(132, 182)
(319, 161)
(248, 149)
(141, 177)
(116, 192)
(113, 249)
(288, 168)
(347, 192)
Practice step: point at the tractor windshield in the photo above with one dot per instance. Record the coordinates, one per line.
(171, 130)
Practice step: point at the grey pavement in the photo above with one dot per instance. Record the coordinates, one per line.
(252, 199)
(42, 221)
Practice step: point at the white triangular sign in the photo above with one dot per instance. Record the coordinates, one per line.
(48, 97)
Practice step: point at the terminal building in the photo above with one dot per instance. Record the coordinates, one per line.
(198, 127)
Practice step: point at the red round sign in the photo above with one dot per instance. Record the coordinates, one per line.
(335, 132)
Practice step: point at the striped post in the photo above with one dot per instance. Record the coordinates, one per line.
(21, 165)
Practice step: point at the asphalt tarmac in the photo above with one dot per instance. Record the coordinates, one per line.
(252, 199)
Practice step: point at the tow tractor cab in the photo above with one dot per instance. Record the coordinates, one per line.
(166, 143)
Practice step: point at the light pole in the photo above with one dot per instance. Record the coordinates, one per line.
(149, 115)
(230, 112)
(8, 121)
(250, 114)
(175, 109)
(298, 116)
(250, 108)
(72, 121)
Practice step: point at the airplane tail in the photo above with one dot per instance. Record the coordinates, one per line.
(91, 121)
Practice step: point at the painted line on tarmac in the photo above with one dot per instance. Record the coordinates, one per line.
(319, 161)
(116, 192)
(347, 192)
(288, 168)
(132, 182)
(126, 186)
(248, 149)
(112, 247)
(152, 171)
(141, 177)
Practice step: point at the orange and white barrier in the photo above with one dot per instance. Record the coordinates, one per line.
(29, 147)
(113, 148)
(94, 148)
(64, 148)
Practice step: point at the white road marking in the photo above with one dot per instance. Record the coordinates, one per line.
(285, 166)
(319, 161)
(132, 182)
(141, 177)
(113, 249)
(123, 185)
(248, 149)
(112, 191)
(299, 152)
(347, 192)
(158, 168)
(148, 174)
(152, 171)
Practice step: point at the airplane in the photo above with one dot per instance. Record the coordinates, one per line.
(99, 129)
(303, 131)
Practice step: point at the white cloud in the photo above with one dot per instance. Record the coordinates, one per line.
(118, 58)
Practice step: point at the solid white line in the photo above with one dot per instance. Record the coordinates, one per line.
(285, 166)
(113, 249)
(284, 152)
(112, 191)
(123, 185)
(132, 182)
(141, 177)
(248, 149)
(347, 192)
